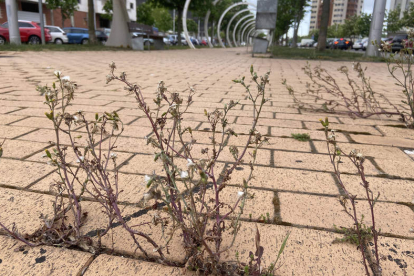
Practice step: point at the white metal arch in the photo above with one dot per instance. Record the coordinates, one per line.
(235, 28)
(187, 38)
(224, 13)
(231, 20)
(245, 28)
(249, 32)
(206, 25)
(242, 27)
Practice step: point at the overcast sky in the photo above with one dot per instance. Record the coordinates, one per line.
(304, 25)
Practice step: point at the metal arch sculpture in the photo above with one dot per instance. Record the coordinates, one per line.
(249, 32)
(242, 27)
(235, 28)
(206, 25)
(245, 28)
(187, 38)
(224, 13)
(231, 20)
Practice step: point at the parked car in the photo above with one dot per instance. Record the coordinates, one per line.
(77, 35)
(398, 42)
(147, 41)
(101, 36)
(58, 35)
(30, 32)
(173, 39)
(359, 44)
(342, 44)
(166, 41)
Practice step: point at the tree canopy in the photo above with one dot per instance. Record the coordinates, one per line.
(67, 7)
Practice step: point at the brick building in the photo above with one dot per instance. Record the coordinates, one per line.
(340, 10)
(29, 10)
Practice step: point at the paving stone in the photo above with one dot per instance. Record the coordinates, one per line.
(11, 172)
(42, 260)
(106, 265)
(20, 149)
(317, 211)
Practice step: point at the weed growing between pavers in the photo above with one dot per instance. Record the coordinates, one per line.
(303, 137)
(187, 201)
(360, 233)
(359, 100)
(191, 188)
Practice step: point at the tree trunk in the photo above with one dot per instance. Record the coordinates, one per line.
(52, 18)
(91, 22)
(323, 30)
(179, 26)
(295, 35)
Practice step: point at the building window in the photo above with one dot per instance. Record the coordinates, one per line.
(79, 1)
(131, 6)
(30, 7)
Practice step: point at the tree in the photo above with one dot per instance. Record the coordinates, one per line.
(408, 17)
(299, 10)
(394, 24)
(162, 19)
(67, 8)
(108, 7)
(192, 26)
(178, 5)
(323, 30)
(145, 14)
(363, 24)
(349, 27)
(285, 18)
(91, 22)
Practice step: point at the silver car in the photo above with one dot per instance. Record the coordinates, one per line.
(58, 35)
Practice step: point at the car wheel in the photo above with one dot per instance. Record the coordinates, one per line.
(34, 40)
(85, 41)
(58, 41)
(2, 40)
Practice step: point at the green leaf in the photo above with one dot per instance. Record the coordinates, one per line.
(251, 69)
(282, 247)
(48, 153)
(96, 116)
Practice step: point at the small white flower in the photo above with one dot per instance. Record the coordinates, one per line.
(190, 163)
(76, 118)
(81, 158)
(173, 106)
(240, 194)
(66, 78)
(113, 155)
(147, 179)
(184, 174)
(359, 155)
(57, 73)
(147, 196)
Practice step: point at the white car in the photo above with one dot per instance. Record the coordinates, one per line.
(360, 44)
(58, 35)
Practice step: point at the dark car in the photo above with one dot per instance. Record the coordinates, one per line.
(30, 32)
(101, 36)
(398, 42)
(342, 44)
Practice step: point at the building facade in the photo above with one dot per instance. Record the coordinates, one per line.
(29, 10)
(403, 4)
(340, 10)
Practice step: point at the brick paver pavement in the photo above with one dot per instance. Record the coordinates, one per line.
(295, 186)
